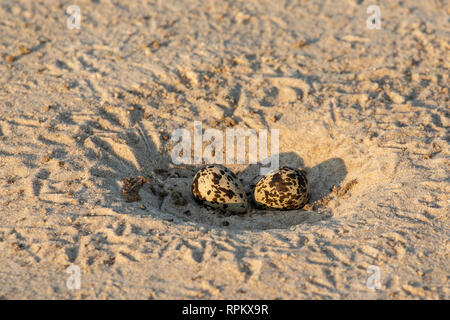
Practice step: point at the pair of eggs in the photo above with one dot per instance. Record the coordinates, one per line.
(218, 187)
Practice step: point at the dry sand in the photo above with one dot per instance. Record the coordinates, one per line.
(364, 110)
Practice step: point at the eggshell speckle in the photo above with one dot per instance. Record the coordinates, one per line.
(218, 187)
(285, 189)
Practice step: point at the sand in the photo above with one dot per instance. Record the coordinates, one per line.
(364, 111)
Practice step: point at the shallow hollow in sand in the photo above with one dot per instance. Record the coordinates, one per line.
(332, 159)
(332, 163)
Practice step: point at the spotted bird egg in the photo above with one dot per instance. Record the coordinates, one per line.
(218, 187)
(283, 188)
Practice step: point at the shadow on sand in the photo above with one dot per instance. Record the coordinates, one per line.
(168, 195)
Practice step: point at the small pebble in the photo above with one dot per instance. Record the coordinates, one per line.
(178, 199)
(24, 50)
(45, 159)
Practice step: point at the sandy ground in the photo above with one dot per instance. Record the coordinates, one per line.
(366, 111)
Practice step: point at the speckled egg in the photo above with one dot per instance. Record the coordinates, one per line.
(284, 188)
(218, 187)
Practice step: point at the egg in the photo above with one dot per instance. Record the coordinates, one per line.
(218, 187)
(284, 188)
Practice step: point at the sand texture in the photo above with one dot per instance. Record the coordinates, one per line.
(364, 112)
